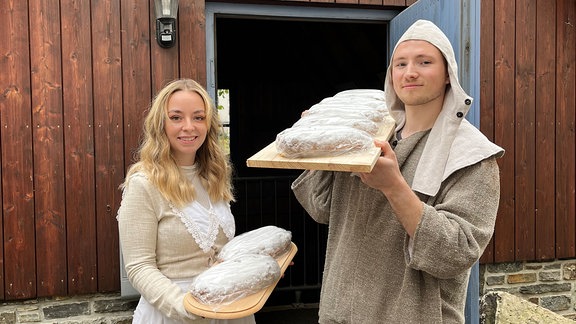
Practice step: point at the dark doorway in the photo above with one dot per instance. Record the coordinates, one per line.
(274, 69)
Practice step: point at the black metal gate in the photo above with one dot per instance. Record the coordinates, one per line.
(262, 201)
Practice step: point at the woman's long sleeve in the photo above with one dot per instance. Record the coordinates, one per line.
(138, 229)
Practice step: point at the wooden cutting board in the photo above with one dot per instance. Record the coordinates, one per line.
(244, 306)
(269, 157)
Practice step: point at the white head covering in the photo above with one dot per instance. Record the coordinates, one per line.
(453, 142)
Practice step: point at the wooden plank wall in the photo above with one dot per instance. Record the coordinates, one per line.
(77, 77)
(528, 86)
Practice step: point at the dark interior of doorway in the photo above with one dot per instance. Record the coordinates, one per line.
(275, 69)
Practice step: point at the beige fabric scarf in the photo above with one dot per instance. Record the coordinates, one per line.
(453, 142)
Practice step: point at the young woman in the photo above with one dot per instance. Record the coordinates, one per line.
(175, 213)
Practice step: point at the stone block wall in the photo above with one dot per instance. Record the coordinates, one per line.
(551, 285)
(499, 307)
(92, 309)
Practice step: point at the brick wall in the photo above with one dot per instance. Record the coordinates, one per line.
(551, 285)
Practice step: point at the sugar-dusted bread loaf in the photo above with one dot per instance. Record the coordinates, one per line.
(372, 94)
(315, 141)
(347, 111)
(232, 279)
(268, 240)
(357, 122)
(344, 123)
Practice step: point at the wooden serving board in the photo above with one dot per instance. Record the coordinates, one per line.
(244, 306)
(269, 157)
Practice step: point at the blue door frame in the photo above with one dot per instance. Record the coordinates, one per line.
(461, 32)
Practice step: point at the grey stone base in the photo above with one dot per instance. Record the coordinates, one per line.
(504, 308)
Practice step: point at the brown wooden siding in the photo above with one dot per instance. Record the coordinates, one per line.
(527, 106)
(108, 121)
(565, 173)
(47, 121)
(77, 77)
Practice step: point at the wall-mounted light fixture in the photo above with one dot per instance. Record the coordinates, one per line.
(166, 11)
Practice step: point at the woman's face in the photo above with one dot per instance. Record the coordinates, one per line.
(186, 125)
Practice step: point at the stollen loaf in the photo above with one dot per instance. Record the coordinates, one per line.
(235, 278)
(267, 240)
(316, 141)
(342, 124)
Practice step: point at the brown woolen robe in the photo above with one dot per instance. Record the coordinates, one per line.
(371, 275)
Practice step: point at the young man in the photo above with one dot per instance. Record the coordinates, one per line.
(402, 238)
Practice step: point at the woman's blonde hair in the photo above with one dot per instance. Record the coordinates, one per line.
(155, 159)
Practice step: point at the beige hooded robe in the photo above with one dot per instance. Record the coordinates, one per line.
(373, 272)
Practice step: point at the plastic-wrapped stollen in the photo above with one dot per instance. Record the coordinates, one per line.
(354, 121)
(267, 240)
(315, 141)
(236, 278)
(318, 141)
(363, 93)
(347, 111)
(243, 305)
(352, 103)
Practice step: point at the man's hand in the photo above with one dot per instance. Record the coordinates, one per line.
(387, 178)
(386, 175)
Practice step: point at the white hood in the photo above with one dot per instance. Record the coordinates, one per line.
(453, 142)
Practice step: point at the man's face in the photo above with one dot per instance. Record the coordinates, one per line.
(419, 73)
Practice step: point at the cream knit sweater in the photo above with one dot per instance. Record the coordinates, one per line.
(158, 248)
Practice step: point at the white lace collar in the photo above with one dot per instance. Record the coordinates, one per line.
(204, 223)
(201, 222)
